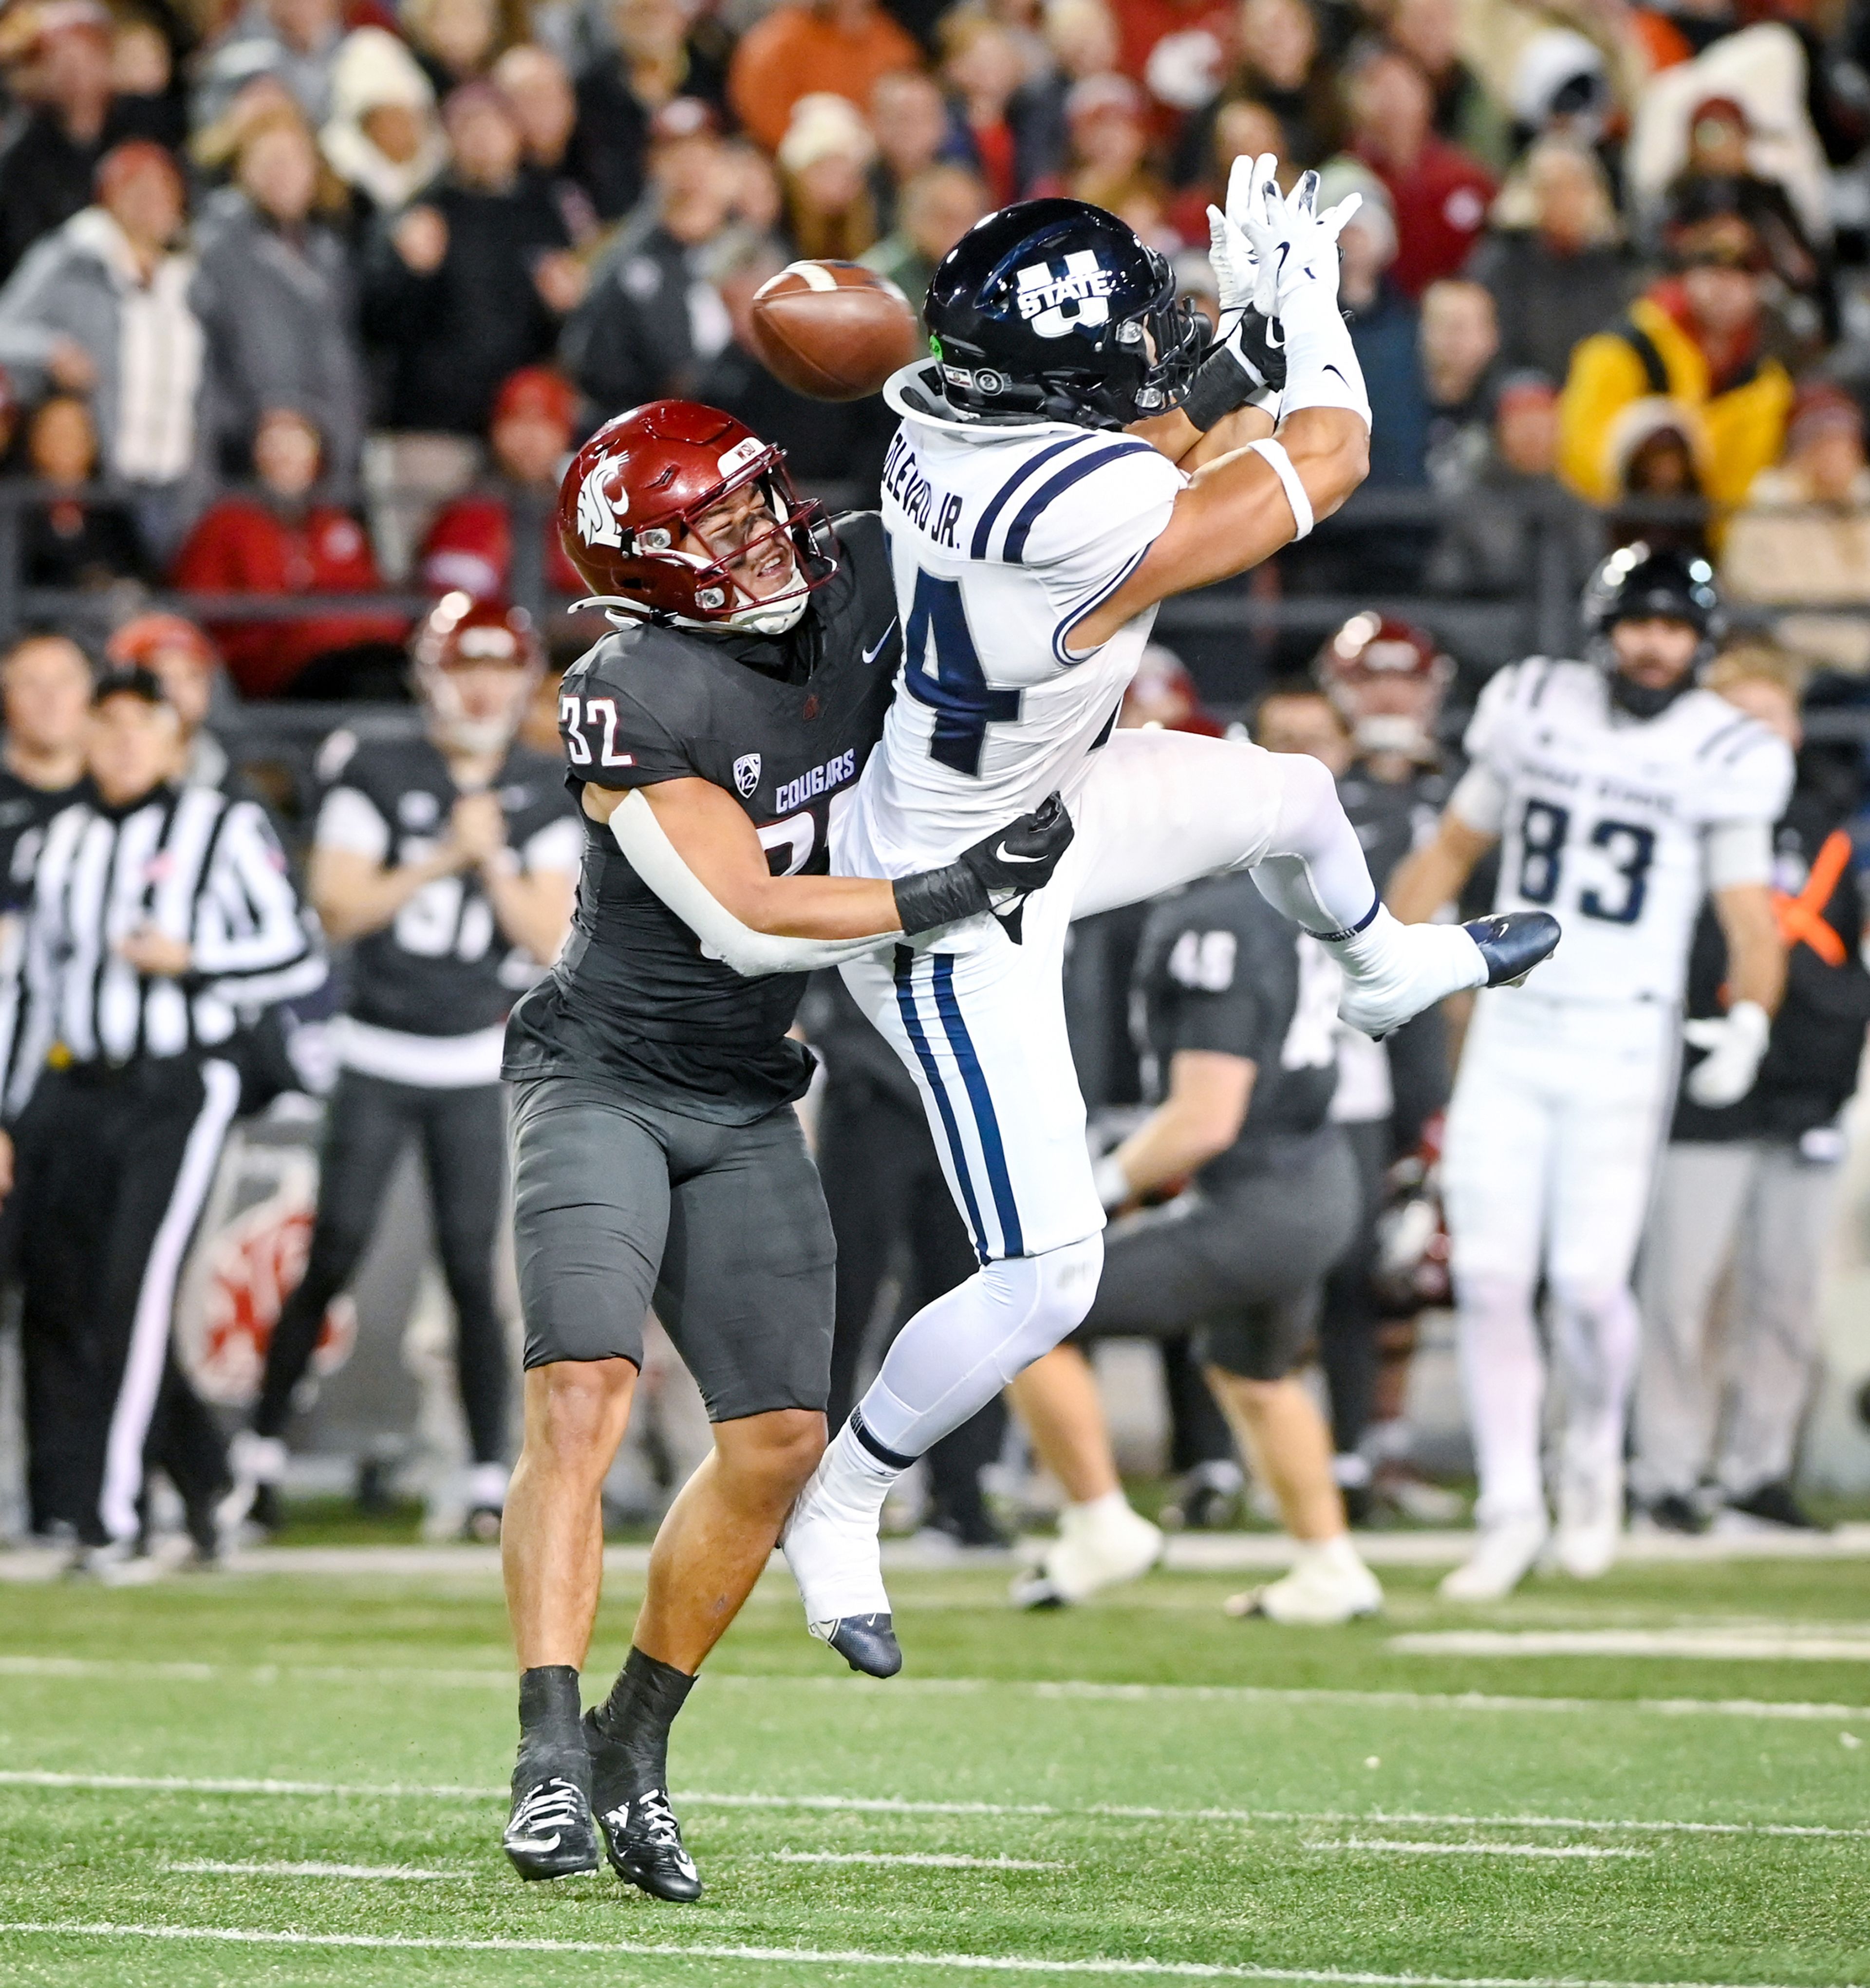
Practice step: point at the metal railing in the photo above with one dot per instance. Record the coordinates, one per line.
(1232, 627)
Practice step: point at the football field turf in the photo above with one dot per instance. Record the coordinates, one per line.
(290, 1778)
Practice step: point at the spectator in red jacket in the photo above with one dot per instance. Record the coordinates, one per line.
(1440, 193)
(284, 540)
(470, 546)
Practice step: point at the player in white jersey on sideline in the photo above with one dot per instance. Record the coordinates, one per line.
(1620, 793)
(1072, 457)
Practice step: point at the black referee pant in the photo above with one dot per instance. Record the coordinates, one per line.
(884, 1187)
(114, 1167)
(462, 1132)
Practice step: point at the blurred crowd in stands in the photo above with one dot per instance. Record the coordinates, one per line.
(306, 297)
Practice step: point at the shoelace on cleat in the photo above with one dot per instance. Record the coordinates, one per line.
(553, 1804)
(657, 1820)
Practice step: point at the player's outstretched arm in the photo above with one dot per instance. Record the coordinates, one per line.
(1241, 507)
(691, 843)
(1436, 873)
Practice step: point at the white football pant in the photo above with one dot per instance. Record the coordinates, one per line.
(1552, 1138)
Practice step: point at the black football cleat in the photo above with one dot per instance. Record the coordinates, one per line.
(867, 1643)
(1513, 943)
(642, 1837)
(550, 1831)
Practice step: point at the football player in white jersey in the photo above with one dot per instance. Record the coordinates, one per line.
(1620, 793)
(1075, 454)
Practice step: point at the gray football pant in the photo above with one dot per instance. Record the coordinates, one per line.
(1759, 1208)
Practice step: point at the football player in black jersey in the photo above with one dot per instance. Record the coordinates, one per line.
(655, 1155)
(447, 862)
(1239, 1011)
(46, 692)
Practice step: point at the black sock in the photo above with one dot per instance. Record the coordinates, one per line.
(637, 1715)
(548, 1708)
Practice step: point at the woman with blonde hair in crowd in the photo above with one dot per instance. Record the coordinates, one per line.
(824, 162)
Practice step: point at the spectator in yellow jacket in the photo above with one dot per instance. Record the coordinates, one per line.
(1694, 336)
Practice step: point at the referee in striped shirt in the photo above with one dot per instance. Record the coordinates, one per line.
(164, 918)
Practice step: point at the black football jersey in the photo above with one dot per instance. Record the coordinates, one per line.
(1220, 970)
(1393, 817)
(785, 723)
(25, 810)
(442, 966)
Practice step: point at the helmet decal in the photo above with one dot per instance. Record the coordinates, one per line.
(1054, 305)
(601, 507)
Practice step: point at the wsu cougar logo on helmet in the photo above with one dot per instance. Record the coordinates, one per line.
(1053, 304)
(602, 503)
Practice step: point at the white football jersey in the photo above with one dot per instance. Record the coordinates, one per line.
(1606, 816)
(1001, 540)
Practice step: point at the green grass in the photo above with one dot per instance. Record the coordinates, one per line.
(369, 1683)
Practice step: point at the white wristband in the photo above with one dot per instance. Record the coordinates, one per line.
(1273, 453)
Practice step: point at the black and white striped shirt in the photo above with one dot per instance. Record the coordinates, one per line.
(192, 865)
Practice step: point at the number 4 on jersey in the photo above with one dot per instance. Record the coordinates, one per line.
(956, 689)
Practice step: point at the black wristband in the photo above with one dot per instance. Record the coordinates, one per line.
(1221, 382)
(931, 897)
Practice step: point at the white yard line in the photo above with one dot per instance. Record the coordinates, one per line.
(1728, 1644)
(977, 1963)
(1067, 1688)
(1405, 1846)
(410, 1874)
(898, 1805)
(928, 1860)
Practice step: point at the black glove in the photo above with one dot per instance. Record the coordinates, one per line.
(1013, 861)
(1248, 364)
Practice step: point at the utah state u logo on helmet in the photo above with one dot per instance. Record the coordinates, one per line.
(1053, 305)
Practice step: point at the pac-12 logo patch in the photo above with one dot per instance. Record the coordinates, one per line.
(746, 774)
(1054, 305)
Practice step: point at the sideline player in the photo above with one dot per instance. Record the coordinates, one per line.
(1066, 463)
(1618, 791)
(654, 1152)
(448, 862)
(1239, 1036)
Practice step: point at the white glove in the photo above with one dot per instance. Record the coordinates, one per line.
(1735, 1043)
(1295, 246)
(1230, 253)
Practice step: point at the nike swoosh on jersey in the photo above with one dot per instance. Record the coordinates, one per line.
(871, 655)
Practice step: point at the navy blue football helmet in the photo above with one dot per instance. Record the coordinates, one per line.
(1054, 310)
(1638, 583)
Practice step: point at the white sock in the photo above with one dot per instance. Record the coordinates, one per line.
(1502, 1376)
(1336, 1556)
(954, 1355)
(1596, 1335)
(1315, 872)
(1097, 1511)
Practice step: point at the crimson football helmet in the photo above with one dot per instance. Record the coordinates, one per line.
(460, 633)
(630, 508)
(1386, 678)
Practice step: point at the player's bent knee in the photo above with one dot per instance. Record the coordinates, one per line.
(777, 1451)
(573, 1404)
(1048, 1295)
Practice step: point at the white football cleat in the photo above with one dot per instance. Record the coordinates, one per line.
(1100, 1545)
(1323, 1589)
(1589, 1522)
(1504, 1556)
(831, 1545)
(1394, 971)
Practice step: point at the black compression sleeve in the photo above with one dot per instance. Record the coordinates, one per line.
(1221, 384)
(932, 897)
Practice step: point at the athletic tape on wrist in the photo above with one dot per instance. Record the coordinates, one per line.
(1221, 382)
(1274, 454)
(1322, 363)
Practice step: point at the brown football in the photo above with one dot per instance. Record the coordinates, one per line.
(833, 331)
